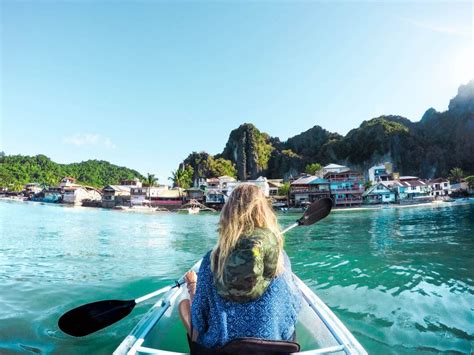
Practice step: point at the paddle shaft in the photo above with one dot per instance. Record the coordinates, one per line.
(157, 293)
(290, 227)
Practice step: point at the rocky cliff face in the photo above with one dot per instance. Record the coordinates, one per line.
(250, 150)
(428, 148)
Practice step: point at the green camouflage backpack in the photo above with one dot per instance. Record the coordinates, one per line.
(250, 267)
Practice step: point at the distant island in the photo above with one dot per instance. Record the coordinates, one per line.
(18, 170)
(439, 142)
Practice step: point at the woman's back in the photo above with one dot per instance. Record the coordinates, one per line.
(219, 320)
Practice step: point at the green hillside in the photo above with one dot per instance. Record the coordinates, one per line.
(17, 170)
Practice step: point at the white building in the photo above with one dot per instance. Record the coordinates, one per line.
(274, 186)
(33, 188)
(440, 187)
(334, 168)
(380, 172)
(67, 182)
(76, 194)
(143, 195)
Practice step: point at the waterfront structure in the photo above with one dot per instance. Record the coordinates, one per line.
(346, 187)
(169, 199)
(195, 194)
(380, 172)
(307, 189)
(439, 187)
(115, 195)
(119, 195)
(78, 193)
(50, 195)
(215, 198)
(334, 168)
(410, 189)
(32, 188)
(273, 186)
(379, 193)
(67, 181)
(144, 195)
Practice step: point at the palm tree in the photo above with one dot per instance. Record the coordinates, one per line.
(456, 174)
(150, 180)
(178, 177)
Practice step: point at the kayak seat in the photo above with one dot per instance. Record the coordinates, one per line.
(252, 346)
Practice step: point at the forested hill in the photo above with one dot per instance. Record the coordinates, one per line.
(17, 170)
(428, 148)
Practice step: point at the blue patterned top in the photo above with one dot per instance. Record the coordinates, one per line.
(272, 316)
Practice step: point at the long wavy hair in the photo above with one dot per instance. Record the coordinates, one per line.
(246, 209)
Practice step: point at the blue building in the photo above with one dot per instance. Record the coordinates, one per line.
(379, 193)
(346, 187)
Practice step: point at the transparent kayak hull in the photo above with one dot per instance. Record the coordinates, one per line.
(160, 331)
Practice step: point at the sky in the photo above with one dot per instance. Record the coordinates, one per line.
(144, 83)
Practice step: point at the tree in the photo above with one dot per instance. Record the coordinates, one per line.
(470, 181)
(151, 180)
(220, 166)
(183, 177)
(284, 189)
(456, 174)
(368, 184)
(313, 168)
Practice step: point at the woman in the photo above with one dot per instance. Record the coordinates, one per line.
(244, 287)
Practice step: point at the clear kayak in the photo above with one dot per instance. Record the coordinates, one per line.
(160, 331)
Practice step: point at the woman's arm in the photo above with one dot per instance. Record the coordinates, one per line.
(191, 280)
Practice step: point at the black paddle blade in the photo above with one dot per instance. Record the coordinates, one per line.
(316, 212)
(95, 316)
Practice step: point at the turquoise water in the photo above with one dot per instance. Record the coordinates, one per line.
(402, 280)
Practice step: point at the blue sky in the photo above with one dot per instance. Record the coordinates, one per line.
(144, 83)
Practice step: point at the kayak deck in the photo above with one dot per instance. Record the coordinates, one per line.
(160, 331)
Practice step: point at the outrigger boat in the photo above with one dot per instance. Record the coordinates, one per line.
(160, 331)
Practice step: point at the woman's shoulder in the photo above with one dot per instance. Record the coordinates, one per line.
(206, 259)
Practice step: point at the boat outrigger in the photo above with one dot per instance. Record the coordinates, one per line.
(160, 331)
(194, 207)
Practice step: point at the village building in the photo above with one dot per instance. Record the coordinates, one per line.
(67, 181)
(381, 172)
(439, 187)
(334, 168)
(115, 195)
(119, 195)
(307, 189)
(410, 189)
(169, 199)
(379, 193)
(346, 187)
(195, 194)
(32, 188)
(144, 195)
(215, 198)
(76, 194)
(273, 186)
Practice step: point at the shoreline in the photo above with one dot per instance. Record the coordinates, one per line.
(148, 210)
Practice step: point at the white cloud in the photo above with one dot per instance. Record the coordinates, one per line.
(88, 140)
(446, 29)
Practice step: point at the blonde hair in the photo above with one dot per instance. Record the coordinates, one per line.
(246, 209)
